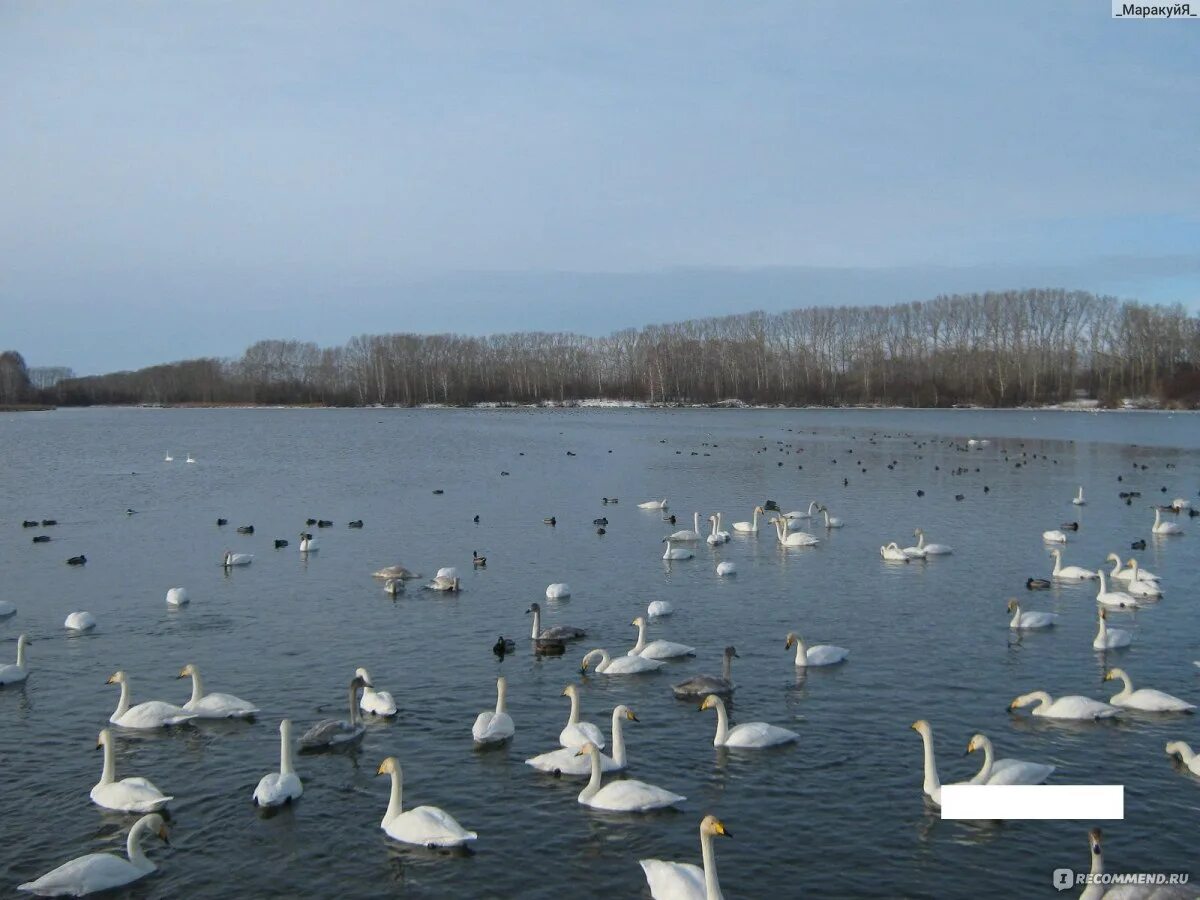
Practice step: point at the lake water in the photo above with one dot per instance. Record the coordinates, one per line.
(839, 814)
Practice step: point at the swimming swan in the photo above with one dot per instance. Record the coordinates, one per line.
(495, 726)
(396, 571)
(726, 568)
(673, 552)
(626, 795)
(1096, 890)
(931, 549)
(892, 553)
(576, 733)
(330, 733)
(102, 871)
(554, 632)
(278, 788)
(15, 674)
(748, 734)
(236, 559)
(1134, 571)
(377, 703)
(703, 685)
(831, 521)
(793, 538)
(1055, 536)
(1186, 755)
(654, 504)
(151, 714)
(130, 795)
(693, 535)
(1068, 573)
(1145, 699)
(1079, 501)
(1029, 621)
(820, 655)
(657, 649)
(622, 665)
(558, 591)
(1115, 599)
(1110, 638)
(1005, 771)
(80, 621)
(1161, 527)
(565, 761)
(750, 527)
(659, 608)
(214, 706)
(1071, 707)
(684, 881)
(426, 826)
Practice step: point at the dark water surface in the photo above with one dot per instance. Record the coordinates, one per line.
(839, 814)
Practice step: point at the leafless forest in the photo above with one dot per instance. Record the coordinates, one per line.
(994, 349)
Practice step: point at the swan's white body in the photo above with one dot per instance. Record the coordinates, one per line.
(308, 544)
(1144, 699)
(654, 504)
(151, 714)
(750, 527)
(932, 549)
(447, 572)
(685, 535)
(659, 608)
(831, 521)
(1161, 527)
(1054, 536)
(558, 591)
(1079, 501)
(673, 552)
(177, 597)
(748, 734)
(425, 826)
(1029, 621)
(1005, 771)
(80, 621)
(444, 585)
(820, 655)
(495, 726)
(1186, 755)
(214, 706)
(101, 871)
(626, 795)
(1110, 638)
(1146, 590)
(622, 665)
(278, 788)
(377, 703)
(396, 571)
(130, 795)
(892, 553)
(15, 674)
(237, 559)
(795, 517)
(1070, 707)
(793, 538)
(684, 881)
(1069, 573)
(1114, 599)
(726, 568)
(657, 649)
(576, 733)
(717, 536)
(567, 760)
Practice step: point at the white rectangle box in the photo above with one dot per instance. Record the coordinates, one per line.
(1033, 801)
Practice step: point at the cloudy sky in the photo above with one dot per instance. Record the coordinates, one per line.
(180, 179)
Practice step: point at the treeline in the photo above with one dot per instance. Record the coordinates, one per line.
(995, 349)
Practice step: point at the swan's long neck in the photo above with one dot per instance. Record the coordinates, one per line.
(1116, 569)
(605, 660)
(1103, 630)
(801, 653)
(20, 654)
(1157, 517)
(712, 889)
(573, 719)
(826, 512)
(713, 521)
(722, 723)
(123, 703)
(989, 759)
(781, 529)
(1057, 563)
(754, 520)
(641, 641)
(395, 801)
(618, 738)
(933, 784)
(353, 705)
(1016, 619)
(593, 784)
(1128, 685)
(109, 775)
(1041, 698)
(1183, 750)
(501, 697)
(1103, 582)
(285, 750)
(537, 624)
(812, 507)
(133, 847)
(197, 687)
(1098, 863)
(921, 540)
(695, 523)
(727, 668)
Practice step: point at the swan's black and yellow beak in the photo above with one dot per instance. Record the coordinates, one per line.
(631, 715)
(182, 674)
(112, 679)
(165, 835)
(719, 828)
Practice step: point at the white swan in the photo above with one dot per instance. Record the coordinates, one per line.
(565, 761)
(214, 706)
(820, 655)
(444, 585)
(495, 726)
(1115, 599)
(1070, 707)
(1110, 638)
(329, 733)
(1029, 621)
(101, 871)
(931, 549)
(15, 674)
(191, 458)
(1161, 527)
(1068, 573)
(654, 504)
(377, 703)
(1179, 504)
(659, 608)
(1186, 755)
(426, 826)
(7, 609)
(796, 515)
(236, 559)
(656, 649)
(1144, 699)
(726, 568)
(396, 571)
(168, 457)
(554, 632)
(131, 795)
(1054, 536)
(673, 552)
(793, 538)
(685, 535)
(1098, 890)
(1005, 771)
(622, 665)
(151, 714)
(177, 596)
(932, 785)
(278, 788)
(748, 734)
(80, 621)
(1147, 590)
(308, 543)
(558, 591)
(626, 795)
(1079, 501)
(576, 733)
(831, 521)
(1128, 574)
(684, 881)
(750, 527)
(717, 536)
(892, 553)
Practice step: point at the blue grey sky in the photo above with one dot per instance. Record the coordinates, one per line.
(180, 179)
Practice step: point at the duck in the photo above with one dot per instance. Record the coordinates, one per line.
(1078, 500)
(377, 703)
(129, 795)
(503, 645)
(41, 539)
(558, 591)
(654, 504)
(554, 632)
(177, 597)
(656, 649)
(1073, 707)
(1185, 754)
(566, 761)
(1138, 545)
(792, 538)
(685, 881)
(1037, 584)
(1144, 699)
(673, 552)
(236, 559)
(820, 655)
(1054, 536)
(245, 529)
(931, 549)
(425, 826)
(750, 527)
(357, 523)
(15, 674)
(329, 734)
(892, 553)
(278, 788)
(1161, 527)
(1114, 599)
(214, 706)
(151, 714)
(479, 562)
(1068, 573)
(726, 568)
(1029, 621)
(1110, 638)
(703, 685)
(102, 871)
(79, 560)
(660, 608)
(495, 726)
(80, 621)
(749, 735)
(625, 795)
(280, 543)
(622, 665)
(576, 733)
(396, 571)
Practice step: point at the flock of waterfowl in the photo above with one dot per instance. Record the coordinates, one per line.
(581, 742)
